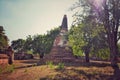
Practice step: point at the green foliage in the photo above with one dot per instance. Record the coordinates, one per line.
(89, 38)
(60, 66)
(10, 68)
(41, 44)
(75, 40)
(50, 64)
(106, 13)
(7, 68)
(77, 51)
(28, 43)
(18, 45)
(103, 54)
(29, 52)
(3, 39)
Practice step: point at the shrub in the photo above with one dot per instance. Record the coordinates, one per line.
(50, 64)
(60, 66)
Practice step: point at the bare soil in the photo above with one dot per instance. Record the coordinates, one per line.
(30, 70)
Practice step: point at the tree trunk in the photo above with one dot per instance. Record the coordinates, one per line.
(87, 57)
(87, 50)
(112, 41)
(113, 50)
(41, 55)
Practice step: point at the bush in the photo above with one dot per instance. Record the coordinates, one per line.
(60, 66)
(50, 64)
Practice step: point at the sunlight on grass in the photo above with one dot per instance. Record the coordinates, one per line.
(7, 68)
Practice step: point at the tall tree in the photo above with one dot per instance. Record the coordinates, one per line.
(87, 38)
(3, 39)
(106, 12)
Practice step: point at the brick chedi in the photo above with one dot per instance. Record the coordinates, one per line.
(60, 51)
(61, 39)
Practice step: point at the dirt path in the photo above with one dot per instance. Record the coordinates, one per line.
(26, 70)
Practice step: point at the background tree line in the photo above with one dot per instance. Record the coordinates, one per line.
(40, 44)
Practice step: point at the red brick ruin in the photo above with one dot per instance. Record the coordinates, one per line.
(7, 56)
(61, 51)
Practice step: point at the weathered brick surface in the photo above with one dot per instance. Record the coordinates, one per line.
(3, 59)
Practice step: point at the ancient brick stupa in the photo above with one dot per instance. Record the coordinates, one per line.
(61, 39)
(60, 51)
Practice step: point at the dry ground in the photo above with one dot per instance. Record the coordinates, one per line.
(29, 70)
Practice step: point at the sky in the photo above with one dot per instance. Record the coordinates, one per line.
(21, 18)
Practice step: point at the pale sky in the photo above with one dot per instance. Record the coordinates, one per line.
(21, 18)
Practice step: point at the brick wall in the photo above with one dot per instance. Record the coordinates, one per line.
(3, 59)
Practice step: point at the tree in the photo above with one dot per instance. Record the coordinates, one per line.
(111, 23)
(3, 39)
(42, 44)
(107, 13)
(18, 45)
(87, 38)
(28, 43)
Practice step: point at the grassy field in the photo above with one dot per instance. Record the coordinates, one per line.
(30, 70)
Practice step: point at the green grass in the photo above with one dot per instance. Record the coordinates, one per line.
(10, 68)
(7, 68)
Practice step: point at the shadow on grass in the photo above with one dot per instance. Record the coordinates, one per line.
(80, 74)
(73, 74)
(66, 74)
(68, 64)
(84, 64)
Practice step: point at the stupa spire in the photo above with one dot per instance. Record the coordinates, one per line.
(64, 25)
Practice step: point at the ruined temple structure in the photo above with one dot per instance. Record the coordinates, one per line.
(61, 39)
(60, 51)
(6, 52)
(7, 56)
